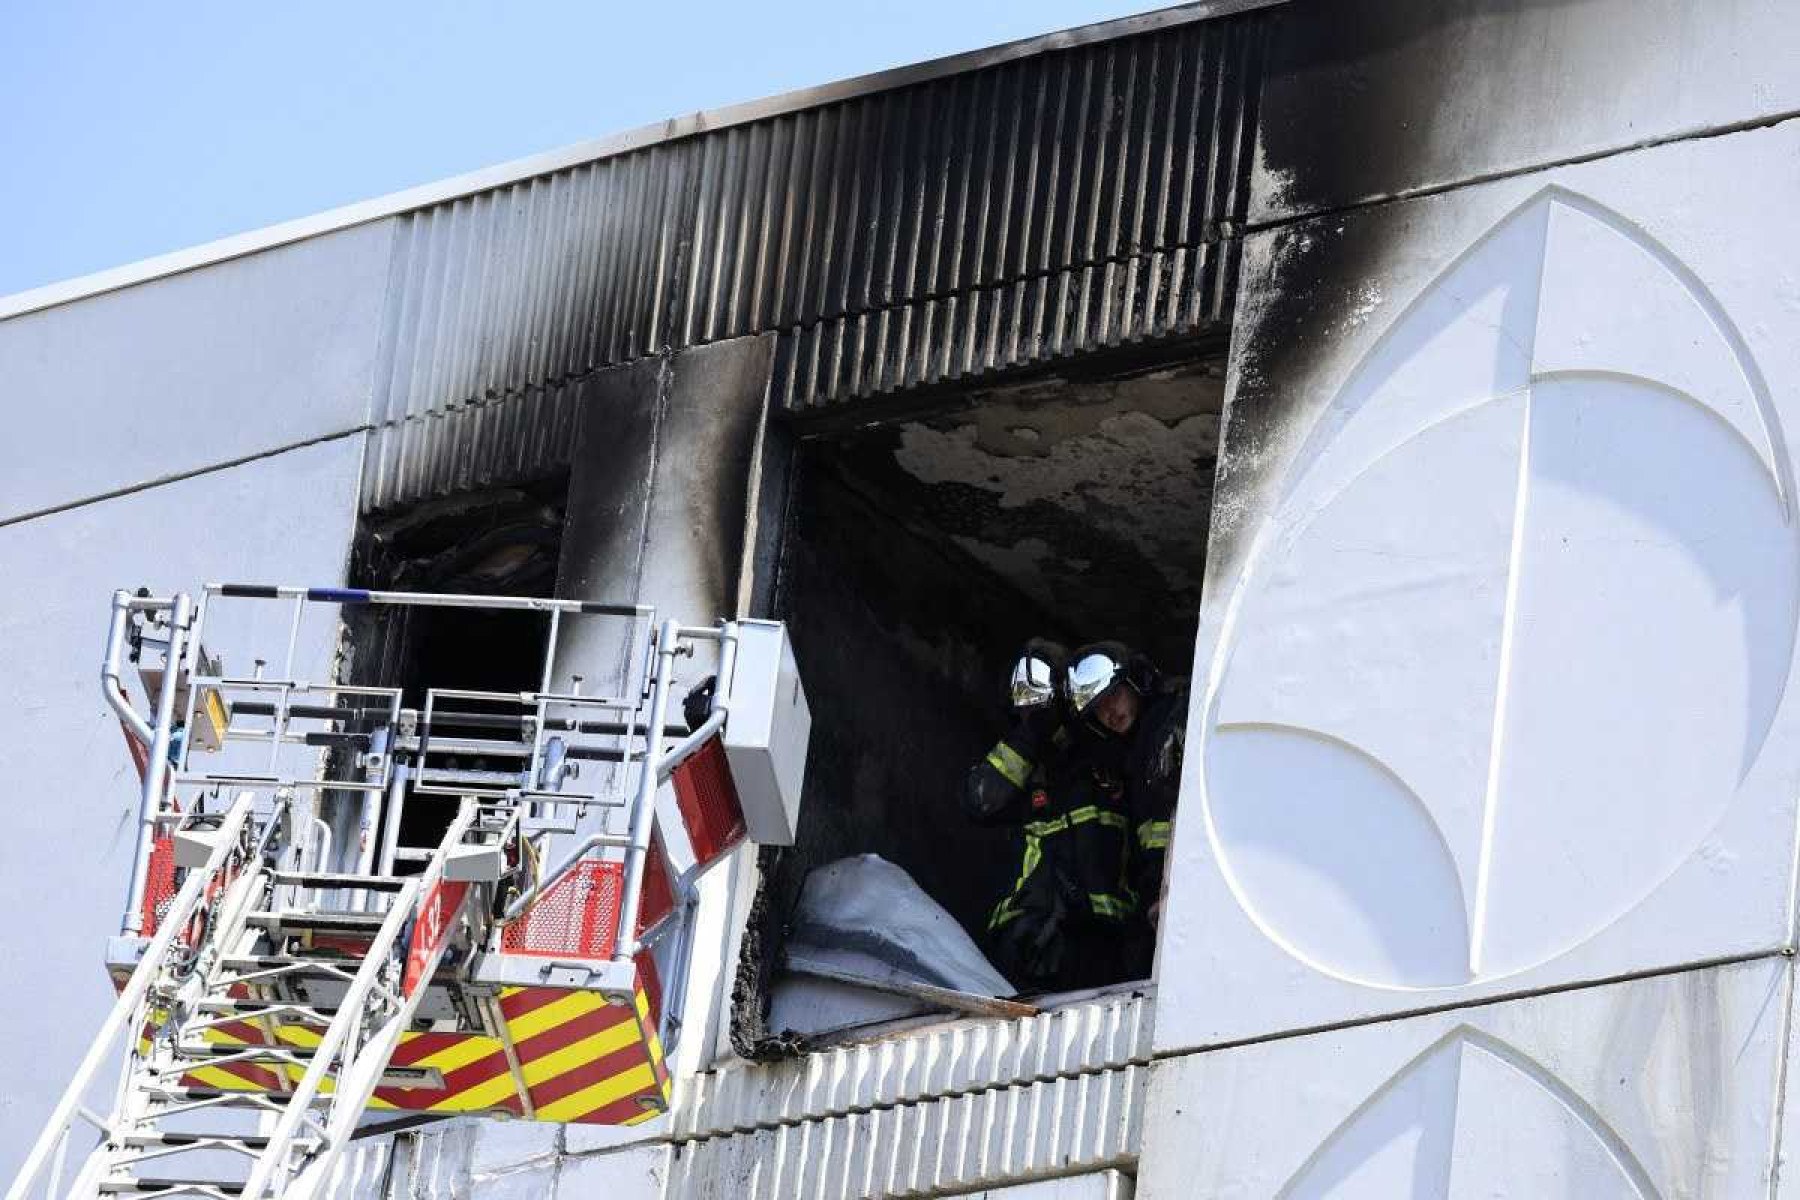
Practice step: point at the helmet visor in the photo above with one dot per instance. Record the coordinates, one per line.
(1089, 678)
(1033, 682)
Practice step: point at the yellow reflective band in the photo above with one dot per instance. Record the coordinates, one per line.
(1078, 816)
(1012, 765)
(1004, 913)
(1035, 832)
(1109, 906)
(549, 1016)
(1154, 835)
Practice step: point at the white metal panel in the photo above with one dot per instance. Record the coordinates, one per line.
(637, 1173)
(1494, 662)
(1786, 1184)
(64, 864)
(766, 732)
(496, 1146)
(1102, 1185)
(1373, 98)
(1003, 1135)
(527, 1183)
(945, 1060)
(191, 371)
(1664, 1086)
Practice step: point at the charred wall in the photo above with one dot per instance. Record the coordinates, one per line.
(904, 641)
(496, 541)
(1074, 199)
(1088, 491)
(918, 249)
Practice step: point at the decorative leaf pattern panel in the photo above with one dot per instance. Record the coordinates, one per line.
(1469, 1119)
(1518, 622)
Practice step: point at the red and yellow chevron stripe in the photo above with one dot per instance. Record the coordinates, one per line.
(579, 1059)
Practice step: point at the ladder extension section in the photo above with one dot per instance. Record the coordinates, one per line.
(271, 990)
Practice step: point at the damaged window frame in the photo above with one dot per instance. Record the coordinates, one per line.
(502, 540)
(817, 458)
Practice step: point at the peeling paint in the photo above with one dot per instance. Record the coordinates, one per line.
(1139, 479)
(1089, 495)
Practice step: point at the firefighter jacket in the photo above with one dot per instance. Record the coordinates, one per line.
(1154, 780)
(1067, 794)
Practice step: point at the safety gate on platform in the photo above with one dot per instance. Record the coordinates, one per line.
(529, 962)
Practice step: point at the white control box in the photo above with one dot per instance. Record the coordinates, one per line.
(766, 731)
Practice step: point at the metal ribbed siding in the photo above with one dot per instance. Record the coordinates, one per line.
(470, 445)
(1001, 1136)
(948, 1060)
(1017, 324)
(496, 302)
(364, 1171)
(1020, 171)
(1068, 201)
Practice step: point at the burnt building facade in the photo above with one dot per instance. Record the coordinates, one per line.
(1206, 330)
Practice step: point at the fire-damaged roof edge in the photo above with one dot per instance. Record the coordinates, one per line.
(674, 129)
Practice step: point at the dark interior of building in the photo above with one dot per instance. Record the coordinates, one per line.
(500, 542)
(917, 557)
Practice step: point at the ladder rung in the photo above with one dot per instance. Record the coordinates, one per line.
(163, 1138)
(243, 1049)
(325, 879)
(319, 922)
(331, 965)
(175, 1095)
(141, 1185)
(250, 1010)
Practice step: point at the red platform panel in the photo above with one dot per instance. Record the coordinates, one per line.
(656, 900)
(576, 917)
(708, 800)
(159, 884)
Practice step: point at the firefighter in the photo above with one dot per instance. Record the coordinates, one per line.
(1153, 779)
(1070, 918)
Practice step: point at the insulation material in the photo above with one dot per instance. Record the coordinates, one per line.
(866, 916)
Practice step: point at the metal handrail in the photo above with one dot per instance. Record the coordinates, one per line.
(360, 1070)
(337, 595)
(299, 1101)
(125, 1009)
(316, 1116)
(658, 764)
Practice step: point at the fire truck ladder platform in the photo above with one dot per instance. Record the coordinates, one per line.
(274, 988)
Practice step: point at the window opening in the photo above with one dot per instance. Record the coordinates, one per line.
(917, 558)
(500, 542)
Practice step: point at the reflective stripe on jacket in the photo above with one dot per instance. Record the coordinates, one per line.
(1110, 854)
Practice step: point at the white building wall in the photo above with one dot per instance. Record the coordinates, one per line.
(183, 374)
(1662, 1086)
(1483, 883)
(1371, 99)
(73, 810)
(244, 388)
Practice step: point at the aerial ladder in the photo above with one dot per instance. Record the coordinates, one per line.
(277, 994)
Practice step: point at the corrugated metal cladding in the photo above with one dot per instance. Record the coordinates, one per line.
(948, 1060)
(1072, 200)
(1003, 1136)
(962, 1105)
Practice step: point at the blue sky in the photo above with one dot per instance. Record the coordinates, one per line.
(130, 128)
